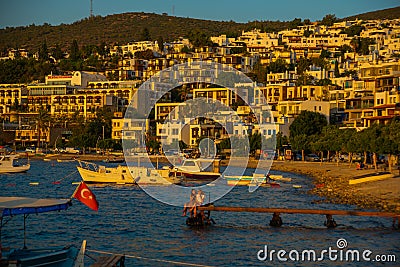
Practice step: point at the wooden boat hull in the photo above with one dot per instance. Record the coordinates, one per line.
(279, 178)
(63, 257)
(16, 169)
(124, 175)
(198, 175)
(249, 181)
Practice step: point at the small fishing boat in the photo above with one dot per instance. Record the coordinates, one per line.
(9, 164)
(198, 169)
(122, 174)
(66, 256)
(254, 180)
(66, 160)
(276, 177)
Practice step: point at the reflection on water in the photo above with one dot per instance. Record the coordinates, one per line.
(131, 222)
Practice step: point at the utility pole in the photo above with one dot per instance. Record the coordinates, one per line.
(91, 8)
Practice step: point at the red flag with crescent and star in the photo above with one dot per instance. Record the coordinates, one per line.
(84, 195)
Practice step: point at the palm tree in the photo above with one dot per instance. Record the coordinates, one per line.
(42, 122)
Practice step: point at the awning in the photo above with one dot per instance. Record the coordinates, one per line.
(10, 206)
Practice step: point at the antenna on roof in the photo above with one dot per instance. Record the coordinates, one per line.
(91, 8)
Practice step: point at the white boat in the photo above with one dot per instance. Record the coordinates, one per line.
(253, 180)
(198, 169)
(122, 174)
(66, 256)
(277, 177)
(9, 164)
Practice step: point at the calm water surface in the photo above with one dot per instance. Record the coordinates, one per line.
(131, 222)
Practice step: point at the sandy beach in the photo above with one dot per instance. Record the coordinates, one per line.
(333, 184)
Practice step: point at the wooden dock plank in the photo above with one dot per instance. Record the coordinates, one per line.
(110, 261)
(300, 211)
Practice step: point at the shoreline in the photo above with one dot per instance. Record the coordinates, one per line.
(332, 179)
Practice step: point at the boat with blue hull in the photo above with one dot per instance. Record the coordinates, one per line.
(67, 256)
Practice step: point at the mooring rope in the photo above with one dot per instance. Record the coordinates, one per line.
(65, 177)
(150, 259)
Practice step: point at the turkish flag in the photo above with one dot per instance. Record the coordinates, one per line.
(84, 195)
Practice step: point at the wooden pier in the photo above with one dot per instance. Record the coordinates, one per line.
(114, 260)
(277, 221)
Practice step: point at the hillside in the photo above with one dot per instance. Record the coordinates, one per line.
(121, 28)
(390, 13)
(128, 27)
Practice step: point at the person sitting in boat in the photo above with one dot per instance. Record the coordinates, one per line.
(191, 203)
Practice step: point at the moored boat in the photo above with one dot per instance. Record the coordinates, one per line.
(122, 174)
(276, 177)
(255, 179)
(9, 164)
(199, 169)
(66, 256)
(66, 160)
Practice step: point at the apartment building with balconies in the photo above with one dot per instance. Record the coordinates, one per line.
(12, 97)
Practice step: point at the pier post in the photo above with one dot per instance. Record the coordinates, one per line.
(330, 222)
(394, 223)
(276, 220)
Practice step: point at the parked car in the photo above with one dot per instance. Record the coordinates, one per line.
(70, 150)
(312, 157)
(30, 150)
(297, 157)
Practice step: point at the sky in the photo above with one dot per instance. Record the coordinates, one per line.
(15, 13)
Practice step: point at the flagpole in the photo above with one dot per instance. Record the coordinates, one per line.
(76, 189)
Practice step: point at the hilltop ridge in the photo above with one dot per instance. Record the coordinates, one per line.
(128, 27)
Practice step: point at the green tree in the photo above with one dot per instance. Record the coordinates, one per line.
(259, 73)
(255, 142)
(57, 53)
(278, 66)
(148, 54)
(336, 71)
(43, 52)
(145, 36)
(199, 38)
(308, 123)
(353, 30)
(303, 64)
(300, 143)
(281, 141)
(75, 53)
(43, 119)
(325, 54)
(328, 20)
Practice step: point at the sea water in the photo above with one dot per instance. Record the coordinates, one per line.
(151, 233)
